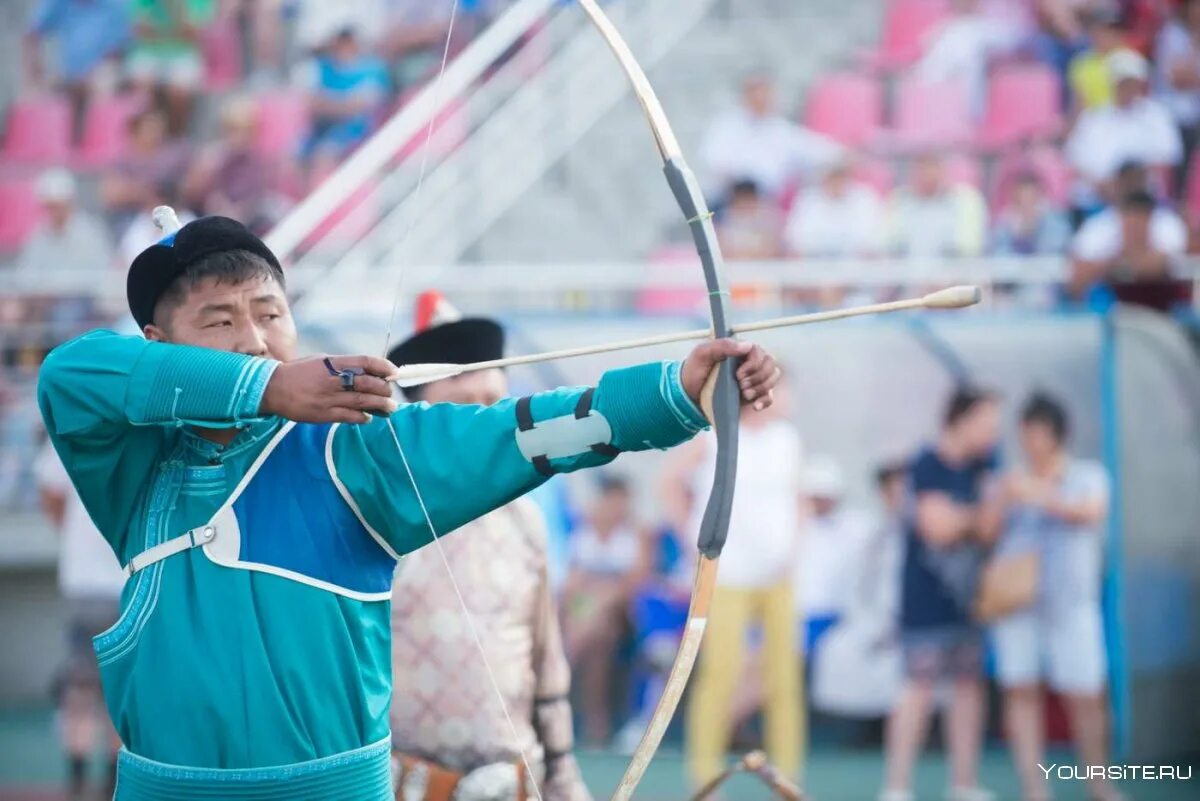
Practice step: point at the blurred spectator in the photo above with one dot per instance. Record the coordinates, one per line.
(1058, 506)
(961, 48)
(1030, 225)
(90, 580)
(167, 55)
(1133, 128)
(1088, 75)
(609, 559)
(1060, 34)
(152, 162)
(839, 217)
(69, 239)
(231, 176)
(754, 589)
(857, 671)
(833, 550)
(416, 37)
(1132, 248)
(319, 21)
(347, 88)
(955, 518)
(89, 36)
(1177, 78)
(934, 218)
(754, 141)
(750, 227)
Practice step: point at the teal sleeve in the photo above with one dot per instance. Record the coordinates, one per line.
(106, 400)
(465, 460)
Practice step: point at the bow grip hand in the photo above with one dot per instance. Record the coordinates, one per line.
(757, 373)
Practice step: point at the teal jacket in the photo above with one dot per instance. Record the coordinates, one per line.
(265, 654)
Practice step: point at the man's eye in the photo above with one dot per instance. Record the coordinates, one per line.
(219, 324)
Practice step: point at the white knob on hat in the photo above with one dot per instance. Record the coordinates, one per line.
(166, 219)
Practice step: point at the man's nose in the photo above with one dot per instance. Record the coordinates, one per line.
(254, 342)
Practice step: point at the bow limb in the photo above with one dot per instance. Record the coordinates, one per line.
(719, 400)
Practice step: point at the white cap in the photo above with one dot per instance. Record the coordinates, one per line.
(55, 185)
(823, 477)
(1127, 65)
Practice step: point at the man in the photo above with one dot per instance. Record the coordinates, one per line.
(259, 503)
(1058, 507)
(1133, 128)
(167, 55)
(1133, 250)
(450, 733)
(838, 217)
(754, 588)
(69, 238)
(755, 142)
(90, 581)
(933, 217)
(955, 518)
(1088, 73)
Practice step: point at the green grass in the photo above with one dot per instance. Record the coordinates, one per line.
(29, 759)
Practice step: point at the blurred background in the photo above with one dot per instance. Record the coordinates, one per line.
(855, 151)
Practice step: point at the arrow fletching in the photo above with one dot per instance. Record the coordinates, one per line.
(413, 375)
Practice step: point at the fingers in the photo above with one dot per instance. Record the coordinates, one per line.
(364, 402)
(373, 365)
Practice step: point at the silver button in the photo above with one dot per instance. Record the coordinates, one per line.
(208, 533)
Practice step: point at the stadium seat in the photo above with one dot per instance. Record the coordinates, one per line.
(929, 114)
(906, 24)
(105, 130)
(847, 107)
(1023, 103)
(1046, 162)
(38, 131)
(962, 168)
(283, 120)
(19, 212)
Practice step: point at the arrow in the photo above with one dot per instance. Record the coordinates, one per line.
(955, 297)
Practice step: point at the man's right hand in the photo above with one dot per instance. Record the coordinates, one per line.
(304, 391)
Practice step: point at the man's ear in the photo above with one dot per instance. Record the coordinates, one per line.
(153, 333)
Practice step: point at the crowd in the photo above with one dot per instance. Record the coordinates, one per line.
(1108, 182)
(883, 611)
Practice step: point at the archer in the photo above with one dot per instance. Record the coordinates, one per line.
(258, 502)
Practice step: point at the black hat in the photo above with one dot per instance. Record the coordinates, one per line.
(445, 337)
(159, 265)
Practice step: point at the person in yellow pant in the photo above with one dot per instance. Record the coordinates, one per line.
(754, 590)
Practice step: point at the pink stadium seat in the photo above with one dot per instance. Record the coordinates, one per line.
(930, 114)
(1023, 103)
(847, 107)
(1046, 162)
(283, 120)
(20, 213)
(105, 130)
(222, 56)
(666, 260)
(906, 25)
(38, 131)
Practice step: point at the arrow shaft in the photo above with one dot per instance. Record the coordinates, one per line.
(696, 334)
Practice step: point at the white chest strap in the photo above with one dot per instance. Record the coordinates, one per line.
(199, 536)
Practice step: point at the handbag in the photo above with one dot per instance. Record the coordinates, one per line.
(1007, 584)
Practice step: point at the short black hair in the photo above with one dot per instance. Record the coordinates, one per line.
(1044, 409)
(224, 267)
(889, 470)
(612, 484)
(1138, 200)
(963, 400)
(744, 186)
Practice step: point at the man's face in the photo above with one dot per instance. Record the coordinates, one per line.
(928, 176)
(1027, 196)
(980, 428)
(837, 181)
(57, 212)
(481, 388)
(1128, 90)
(250, 317)
(759, 96)
(1038, 441)
(611, 508)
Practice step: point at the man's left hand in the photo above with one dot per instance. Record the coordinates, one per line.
(757, 374)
